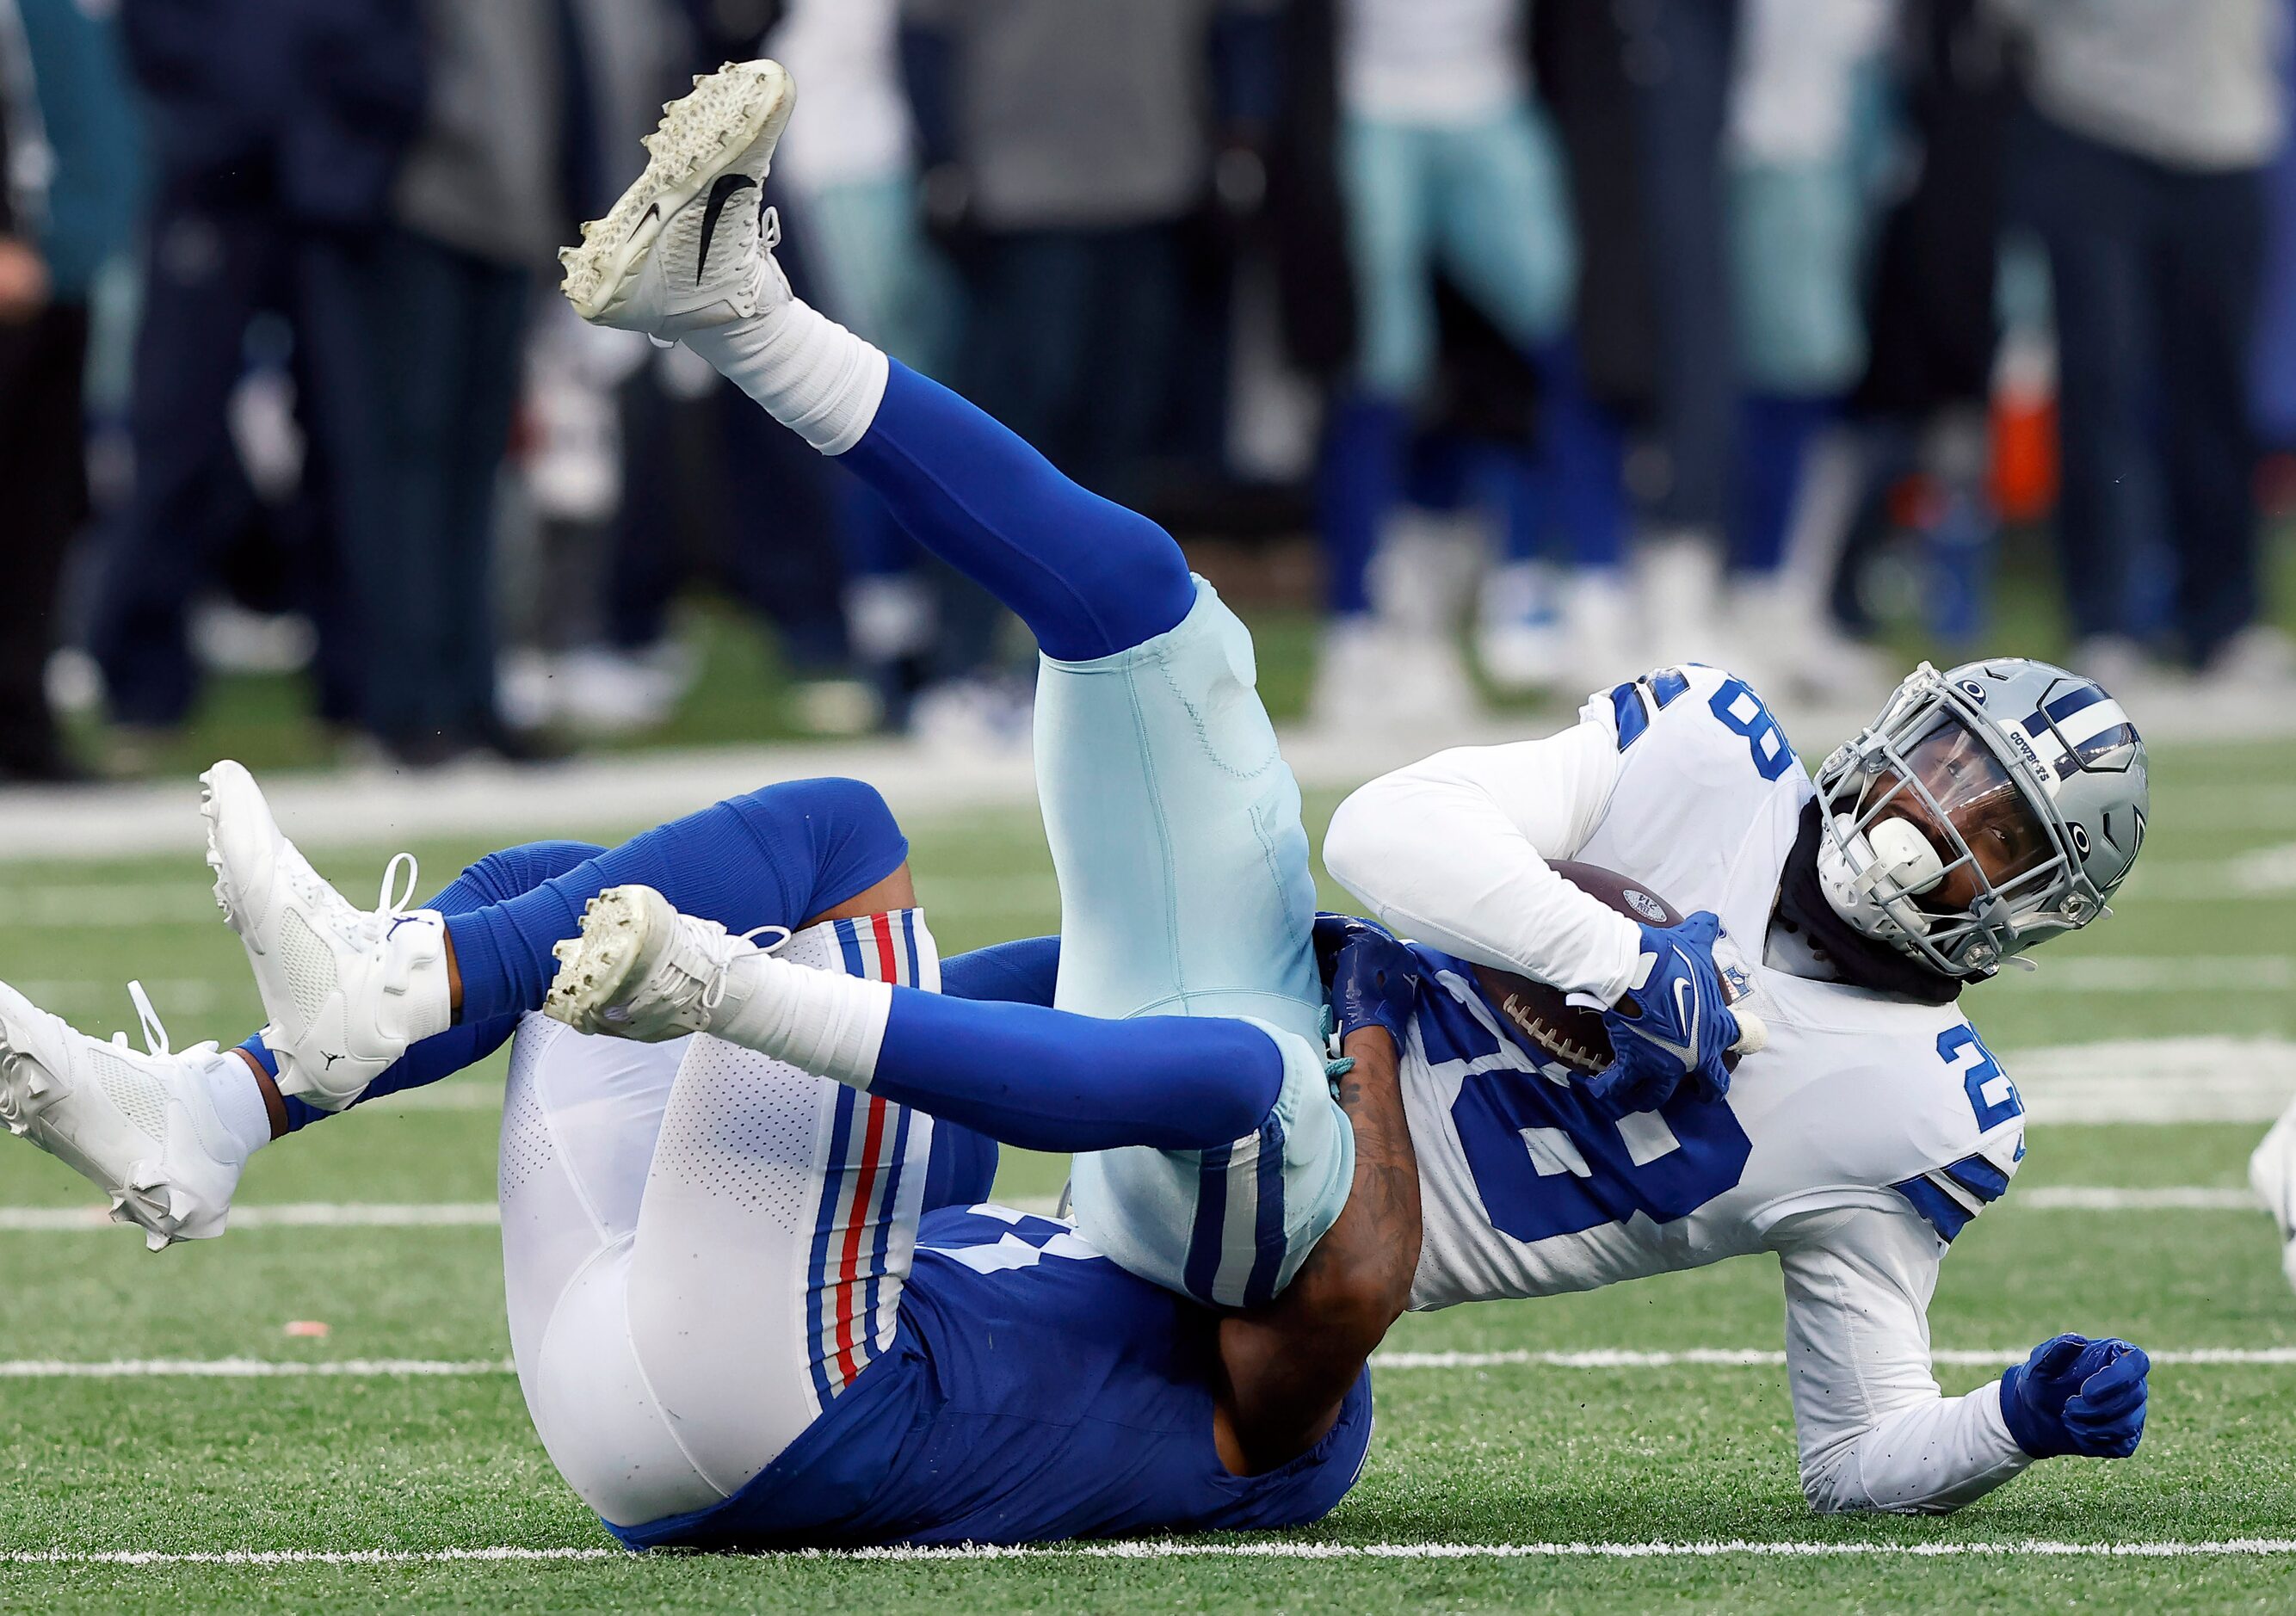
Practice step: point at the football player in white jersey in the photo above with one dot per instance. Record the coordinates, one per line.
(1986, 809)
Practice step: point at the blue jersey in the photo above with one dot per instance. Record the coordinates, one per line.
(1034, 1392)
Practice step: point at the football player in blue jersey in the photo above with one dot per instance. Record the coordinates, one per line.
(752, 1307)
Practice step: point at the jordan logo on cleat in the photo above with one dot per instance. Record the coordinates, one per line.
(720, 194)
(331, 1058)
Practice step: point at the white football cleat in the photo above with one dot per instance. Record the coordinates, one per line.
(641, 970)
(347, 990)
(2272, 1174)
(1521, 635)
(687, 246)
(141, 1127)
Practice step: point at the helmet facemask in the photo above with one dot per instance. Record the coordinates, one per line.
(1940, 839)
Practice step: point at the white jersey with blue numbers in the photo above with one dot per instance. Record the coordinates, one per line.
(1855, 1146)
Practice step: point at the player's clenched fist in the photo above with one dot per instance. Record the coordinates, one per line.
(1373, 980)
(2077, 1396)
(1673, 1024)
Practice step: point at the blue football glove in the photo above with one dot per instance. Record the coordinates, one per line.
(1673, 1026)
(2077, 1396)
(1373, 980)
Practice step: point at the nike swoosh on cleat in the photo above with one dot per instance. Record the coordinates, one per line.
(719, 193)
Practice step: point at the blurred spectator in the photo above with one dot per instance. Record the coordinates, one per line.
(851, 164)
(2142, 166)
(1926, 397)
(1075, 142)
(2274, 372)
(501, 163)
(275, 127)
(68, 190)
(1801, 160)
(1678, 57)
(1446, 162)
(1065, 144)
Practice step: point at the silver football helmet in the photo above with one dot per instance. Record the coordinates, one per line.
(1987, 809)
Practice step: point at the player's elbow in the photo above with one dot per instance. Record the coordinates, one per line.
(1826, 1495)
(1353, 1294)
(1822, 1476)
(1835, 1482)
(1356, 848)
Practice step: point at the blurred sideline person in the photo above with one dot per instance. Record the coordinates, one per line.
(1446, 160)
(1925, 402)
(2141, 164)
(1065, 146)
(853, 166)
(481, 197)
(1802, 149)
(68, 190)
(269, 179)
(1678, 58)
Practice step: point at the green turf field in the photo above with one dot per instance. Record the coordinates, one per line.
(1528, 1452)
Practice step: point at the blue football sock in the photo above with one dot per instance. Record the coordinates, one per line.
(1049, 1080)
(1582, 460)
(1358, 484)
(1089, 577)
(1775, 432)
(774, 858)
(1516, 487)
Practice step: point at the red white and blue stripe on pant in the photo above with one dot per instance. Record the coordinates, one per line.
(874, 1167)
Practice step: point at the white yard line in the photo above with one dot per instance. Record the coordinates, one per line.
(486, 1214)
(2173, 1198)
(1275, 1549)
(1597, 1357)
(1706, 1549)
(1759, 1358)
(2205, 1080)
(247, 1368)
(281, 1215)
(2260, 872)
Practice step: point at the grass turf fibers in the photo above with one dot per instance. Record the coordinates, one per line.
(1516, 1454)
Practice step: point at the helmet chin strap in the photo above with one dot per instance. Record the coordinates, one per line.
(1855, 870)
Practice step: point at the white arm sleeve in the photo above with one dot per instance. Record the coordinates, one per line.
(1874, 1432)
(1453, 851)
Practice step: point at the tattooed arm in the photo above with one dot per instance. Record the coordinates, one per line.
(1291, 1364)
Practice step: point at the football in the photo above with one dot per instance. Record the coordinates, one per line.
(1548, 1025)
